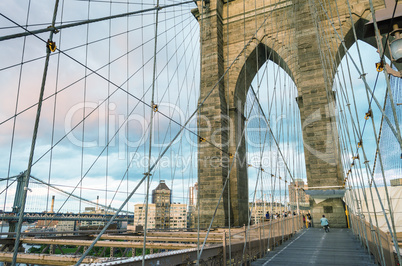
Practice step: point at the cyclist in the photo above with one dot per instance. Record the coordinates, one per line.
(325, 224)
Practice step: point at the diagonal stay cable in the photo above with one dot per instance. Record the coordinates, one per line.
(124, 90)
(272, 134)
(118, 88)
(97, 41)
(182, 127)
(370, 91)
(98, 156)
(181, 88)
(80, 79)
(102, 102)
(70, 25)
(71, 195)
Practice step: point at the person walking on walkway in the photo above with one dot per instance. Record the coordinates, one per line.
(325, 223)
(309, 220)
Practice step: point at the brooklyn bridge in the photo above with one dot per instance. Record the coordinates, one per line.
(206, 132)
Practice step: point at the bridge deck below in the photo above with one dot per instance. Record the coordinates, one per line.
(315, 247)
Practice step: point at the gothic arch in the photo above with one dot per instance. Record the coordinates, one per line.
(254, 61)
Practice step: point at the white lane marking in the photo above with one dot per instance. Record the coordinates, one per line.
(283, 249)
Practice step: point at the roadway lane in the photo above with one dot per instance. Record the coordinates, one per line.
(315, 247)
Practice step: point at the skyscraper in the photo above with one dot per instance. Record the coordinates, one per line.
(192, 195)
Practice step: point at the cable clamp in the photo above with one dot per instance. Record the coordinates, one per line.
(201, 139)
(51, 45)
(359, 144)
(368, 114)
(356, 157)
(230, 155)
(155, 107)
(54, 30)
(362, 75)
(379, 66)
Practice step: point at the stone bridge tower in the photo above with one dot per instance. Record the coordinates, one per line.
(240, 36)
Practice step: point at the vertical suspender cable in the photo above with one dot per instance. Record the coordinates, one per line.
(150, 132)
(35, 133)
(378, 238)
(379, 44)
(15, 116)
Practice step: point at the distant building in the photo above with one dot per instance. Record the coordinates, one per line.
(192, 195)
(191, 216)
(161, 197)
(93, 210)
(298, 196)
(259, 209)
(177, 216)
(46, 223)
(139, 215)
(162, 213)
(64, 226)
(161, 194)
(396, 182)
(192, 205)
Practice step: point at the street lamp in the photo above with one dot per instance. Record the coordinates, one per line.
(396, 44)
(385, 18)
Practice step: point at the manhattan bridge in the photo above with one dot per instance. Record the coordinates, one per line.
(258, 116)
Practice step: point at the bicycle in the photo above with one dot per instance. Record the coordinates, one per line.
(326, 228)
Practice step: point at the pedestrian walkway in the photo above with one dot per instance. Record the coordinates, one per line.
(315, 247)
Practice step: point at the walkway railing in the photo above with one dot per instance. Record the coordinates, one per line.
(254, 242)
(245, 244)
(378, 243)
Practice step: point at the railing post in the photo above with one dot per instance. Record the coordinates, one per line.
(224, 247)
(250, 252)
(259, 242)
(390, 245)
(263, 241)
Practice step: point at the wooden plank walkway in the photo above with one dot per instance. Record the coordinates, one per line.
(315, 247)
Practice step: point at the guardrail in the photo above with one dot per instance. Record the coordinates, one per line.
(379, 242)
(255, 241)
(244, 245)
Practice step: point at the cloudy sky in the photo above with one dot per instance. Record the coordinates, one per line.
(116, 113)
(102, 74)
